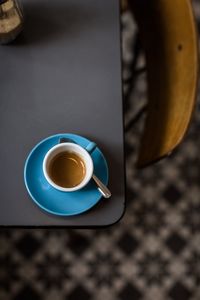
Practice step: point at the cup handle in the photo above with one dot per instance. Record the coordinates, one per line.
(91, 147)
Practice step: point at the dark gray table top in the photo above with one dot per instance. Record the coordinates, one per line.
(62, 75)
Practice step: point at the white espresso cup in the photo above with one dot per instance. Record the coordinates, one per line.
(84, 153)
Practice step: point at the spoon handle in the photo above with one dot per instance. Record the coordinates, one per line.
(101, 187)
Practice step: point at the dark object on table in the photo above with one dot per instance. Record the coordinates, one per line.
(10, 21)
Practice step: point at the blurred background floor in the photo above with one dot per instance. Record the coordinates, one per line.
(152, 254)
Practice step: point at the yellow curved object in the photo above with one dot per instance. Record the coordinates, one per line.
(168, 33)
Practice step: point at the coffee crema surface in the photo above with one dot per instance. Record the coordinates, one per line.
(67, 169)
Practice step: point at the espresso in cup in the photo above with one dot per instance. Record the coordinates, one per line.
(67, 169)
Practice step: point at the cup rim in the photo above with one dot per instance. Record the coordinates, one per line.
(83, 182)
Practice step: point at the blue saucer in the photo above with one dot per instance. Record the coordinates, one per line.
(52, 200)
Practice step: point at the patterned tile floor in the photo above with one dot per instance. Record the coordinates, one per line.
(152, 254)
